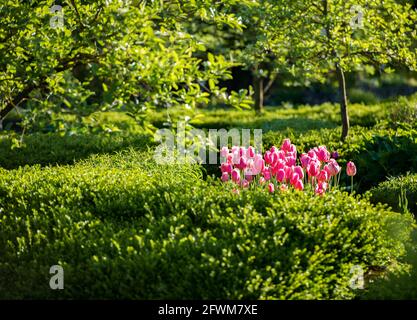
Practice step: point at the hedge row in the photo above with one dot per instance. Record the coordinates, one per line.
(398, 192)
(123, 227)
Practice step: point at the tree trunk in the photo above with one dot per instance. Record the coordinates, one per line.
(343, 102)
(258, 85)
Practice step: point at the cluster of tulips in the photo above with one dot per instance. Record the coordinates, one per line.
(278, 168)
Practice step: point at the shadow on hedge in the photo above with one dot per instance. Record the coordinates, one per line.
(52, 148)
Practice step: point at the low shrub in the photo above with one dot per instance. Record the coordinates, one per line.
(123, 227)
(396, 192)
(54, 148)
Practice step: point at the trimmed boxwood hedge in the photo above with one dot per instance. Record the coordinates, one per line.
(123, 227)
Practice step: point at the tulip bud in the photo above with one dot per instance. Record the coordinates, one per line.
(351, 169)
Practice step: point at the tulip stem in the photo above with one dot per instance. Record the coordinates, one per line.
(351, 184)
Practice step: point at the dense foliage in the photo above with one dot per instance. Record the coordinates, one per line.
(103, 220)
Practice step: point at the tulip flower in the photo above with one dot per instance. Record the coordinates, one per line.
(333, 167)
(286, 145)
(281, 175)
(312, 154)
(245, 183)
(242, 163)
(267, 157)
(262, 180)
(259, 164)
(266, 174)
(236, 176)
(351, 171)
(321, 188)
(323, 176)
(313, 168)
(226, 167)
(291, 161)
(299, 185)
(250, 152)
(271, 188)
(299, 171)
(274, 149)
(305, 160)
(294, 178)
(224, 152)
(322, 154)
(225, 176)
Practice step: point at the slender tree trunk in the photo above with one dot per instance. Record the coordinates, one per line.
(258, 85)
(343, 102)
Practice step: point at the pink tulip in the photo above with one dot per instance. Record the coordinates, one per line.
(322, 154)
(281, 175)
(333, 167)
(242, 163)
(323, 176)
(299, 171)
(291, 161)
(312, 154)
(235, 176)
(242, 151)
(235, 157)
(274, 149)
(226, 167)
(281, 155)
(293, 150)
(294, 178)
(274, 159)
(305, 160)
(313, 168)
(286, 145)
(225, 176)
(249, 175)
(271, 188)
(299, 185)
(280, 164)
(236, 191)
(224, 152)
(235, 149)
(262, 180)
(267, 157)
(266, 173)
(245, 183)
(259, 164)
(321, 188)
(250, 153)
(351, 169)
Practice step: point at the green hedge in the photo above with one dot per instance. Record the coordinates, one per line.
(123, 227)
(54, 148)
(393, 191)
